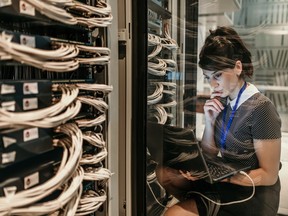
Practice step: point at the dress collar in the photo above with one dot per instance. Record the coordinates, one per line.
(248, 92)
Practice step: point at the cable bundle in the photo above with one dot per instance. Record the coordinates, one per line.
(93, 49)
(15, 203)
(65, 109)
(91, 122)
(171, 65)
(99, 15)
(157, 94)
(96, 174)
(101, 8)
(161, 114)
(90, 202)
(155, 41)
(52, 11)
(100, 55)
(168, 42)
(93, 138)
(94, 158)
(58, 60)
(169, 104)
(95, 87)
(171, 88)
(157, 69)
(99, 104)
(60, 3)
(95, 21)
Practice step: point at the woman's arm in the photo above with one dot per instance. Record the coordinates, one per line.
(212, 108)
(208, 143)
(268, 153)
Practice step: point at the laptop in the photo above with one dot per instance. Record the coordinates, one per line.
(181, 150)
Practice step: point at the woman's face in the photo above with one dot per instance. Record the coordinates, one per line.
(226, 82)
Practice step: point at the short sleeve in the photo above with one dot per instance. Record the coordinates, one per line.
(266, 123)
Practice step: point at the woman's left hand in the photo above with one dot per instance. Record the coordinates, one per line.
(188, 175)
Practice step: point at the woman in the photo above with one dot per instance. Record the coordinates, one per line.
(246, 129)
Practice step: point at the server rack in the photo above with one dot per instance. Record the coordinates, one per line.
(54, 107)
(160, 16)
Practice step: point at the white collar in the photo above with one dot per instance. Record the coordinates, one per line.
(249, 91)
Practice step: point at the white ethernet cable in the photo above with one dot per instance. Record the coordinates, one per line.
(157, 95)
(90, 202)
(61, 3)
(102, 55)
(69, 94)
(171, 88)
(71, 207)
(157, 49)
(96, 174)
(98, 103)
(94, 158)
(101, 8)
(95, 87)
(54, 121)
(161, 114)
(15, 203)
(98, 60)
(95, 139)
(91, 122)
(168, 42)
(153, 40)
(231, 202)
(171, 65)
(173, 103)
(94, 49)
(40, 58)
(158, 69)
(95, 21)
(53, 12)
(70, 191)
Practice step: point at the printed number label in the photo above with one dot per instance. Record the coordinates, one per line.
(30, 88)
(28, 41)
(26, 8)
(4, 3)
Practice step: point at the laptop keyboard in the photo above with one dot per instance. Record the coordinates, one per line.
(218, 171)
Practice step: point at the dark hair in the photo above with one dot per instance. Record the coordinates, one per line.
(222, 48)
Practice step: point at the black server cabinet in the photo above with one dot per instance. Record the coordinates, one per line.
(164, 74)
(53, 107)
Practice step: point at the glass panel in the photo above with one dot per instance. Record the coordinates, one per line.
(176, 87)
(171, 83)
(262, 24)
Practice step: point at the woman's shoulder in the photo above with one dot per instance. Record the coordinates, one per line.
(259, 99)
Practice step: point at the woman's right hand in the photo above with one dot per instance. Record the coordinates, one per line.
(212, 108)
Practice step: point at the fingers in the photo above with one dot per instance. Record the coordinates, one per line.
(214, 105)
(187, 175)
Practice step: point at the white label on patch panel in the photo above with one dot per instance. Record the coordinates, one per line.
(26, 8)
(30, 103)
(31, 180)
(30, 134)
(7, 89)
(7, 141)
(8, 157)
(28, 41)
(30, 88)
(4, 3)
(8, 105)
